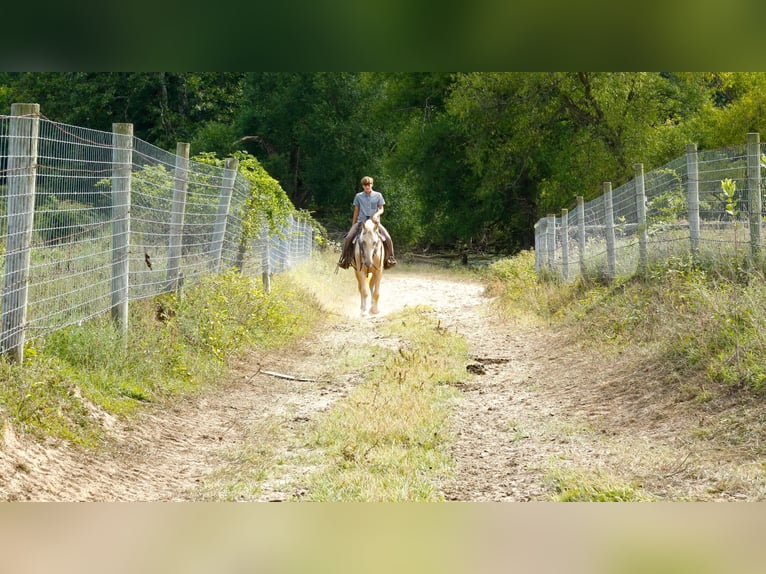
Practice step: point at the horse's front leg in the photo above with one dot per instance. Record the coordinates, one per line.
(364, 290)
(375, 291)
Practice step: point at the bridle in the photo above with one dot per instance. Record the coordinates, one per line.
(373, 249)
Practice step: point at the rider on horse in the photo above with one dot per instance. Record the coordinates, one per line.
(368, 204)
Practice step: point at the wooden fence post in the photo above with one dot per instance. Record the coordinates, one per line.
(224, 203)
(754, 192)
(177, 214)
(24, 130)
(565, 243)
(693, 198)
(122, 162)
(551, 238)
(581, 231)
(611, 256)
(539, 245)
(643, 233)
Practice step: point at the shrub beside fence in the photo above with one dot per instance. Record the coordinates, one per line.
(91, 220)
(681, 207)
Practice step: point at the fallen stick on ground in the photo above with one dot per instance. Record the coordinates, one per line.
(288, 377)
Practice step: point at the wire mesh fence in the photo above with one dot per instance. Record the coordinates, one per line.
(680, 208)
(91, 220)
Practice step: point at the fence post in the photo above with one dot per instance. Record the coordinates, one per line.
(177, 213)
(611, 256)
(551, 237)
(643, 233)
(224, 202)
(539, 246)
(693, 197)
(22, 171)
(565, 243)
(122, 161)
(754, 192)
(310, 239)
(581, 231)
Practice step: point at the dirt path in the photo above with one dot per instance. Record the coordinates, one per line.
(534, 407)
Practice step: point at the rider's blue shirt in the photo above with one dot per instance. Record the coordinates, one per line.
(368, 204)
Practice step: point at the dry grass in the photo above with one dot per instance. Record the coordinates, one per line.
(387, 441)
(673, 364)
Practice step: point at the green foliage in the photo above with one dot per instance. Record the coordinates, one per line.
(699, 319)
(58, 221)
(593, 487)
(267, 203)
(42, 401)
(228, 313)
(470, 158)
(164, 107)
(729, 188)
(311, 133)
(174, 347)
(520, 290)
(670, 205)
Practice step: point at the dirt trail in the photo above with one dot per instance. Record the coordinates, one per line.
(533, 406)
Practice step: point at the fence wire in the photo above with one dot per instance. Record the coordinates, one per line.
(71, 248)
(618, 232)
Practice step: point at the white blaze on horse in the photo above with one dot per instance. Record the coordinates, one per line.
(368, 265)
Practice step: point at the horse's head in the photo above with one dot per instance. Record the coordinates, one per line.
(370, 244)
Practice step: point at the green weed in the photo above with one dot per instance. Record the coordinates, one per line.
(572, 486)
(702, 317)
(174, 346)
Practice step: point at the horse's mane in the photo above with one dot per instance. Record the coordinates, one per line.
(370, 225)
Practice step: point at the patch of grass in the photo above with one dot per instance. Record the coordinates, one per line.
(246, 467)
(387, 441)
(703, 321)
(573, 486)
(175, 346)
(334, 288)
(42, 402)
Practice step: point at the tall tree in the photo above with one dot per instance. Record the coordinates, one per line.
(164, 107)
(539, 139)
(427, 178)
(311, 131)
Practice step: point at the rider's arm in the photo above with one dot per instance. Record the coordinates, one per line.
(356, 215)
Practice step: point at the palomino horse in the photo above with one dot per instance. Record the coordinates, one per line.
(368, 264)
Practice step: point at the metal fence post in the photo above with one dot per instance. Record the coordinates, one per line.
(22, 172)
(122, 161)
